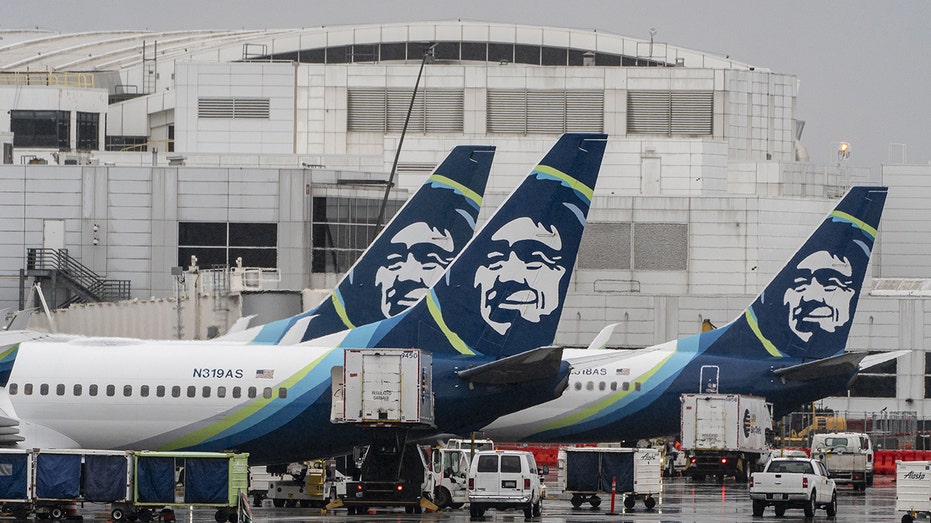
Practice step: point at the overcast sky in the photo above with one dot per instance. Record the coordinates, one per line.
(864, 66)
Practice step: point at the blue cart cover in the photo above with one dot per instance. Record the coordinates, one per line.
(206, 480)
(155, 479)
(582, 472)
(13, 469)
(104, 478)
(58, 476)
(618, 465)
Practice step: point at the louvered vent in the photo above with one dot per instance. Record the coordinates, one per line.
(384, 110)
(233, 108)
(524, 111)
(670, 112)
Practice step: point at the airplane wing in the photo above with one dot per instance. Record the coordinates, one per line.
(875, 359)
(834, 366)
(601, 340)
(539, 363)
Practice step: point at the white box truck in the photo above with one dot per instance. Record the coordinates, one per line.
(724, 434)
(385, 386)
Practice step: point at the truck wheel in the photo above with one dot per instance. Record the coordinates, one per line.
(476, 511)
(576, 501)
(810, 506)
(831, 509)
(595, 501)
(441, 497)
(118, 514)
(907, 518)
(537, 510)
(56, 512)
(649, 502)
(20, 512)
(629, 502)
(780, 510)
(221, 515)
(758, 508)
(528, 512)
(351, 510)
(279, 503)
(257, 500)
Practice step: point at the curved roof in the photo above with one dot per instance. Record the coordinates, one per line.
(27, 50)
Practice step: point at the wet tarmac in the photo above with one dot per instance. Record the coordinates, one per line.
(682, 500)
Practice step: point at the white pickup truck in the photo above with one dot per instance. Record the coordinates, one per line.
(793, 483)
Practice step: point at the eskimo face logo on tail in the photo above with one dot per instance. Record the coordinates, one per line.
(522, 274)
(419, 255)
(820, 295)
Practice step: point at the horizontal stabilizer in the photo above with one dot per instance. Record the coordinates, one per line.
(536, 364)
(875, 359)
(839, 365)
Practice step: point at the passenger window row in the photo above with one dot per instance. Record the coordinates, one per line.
(602, 385)
(145, 391)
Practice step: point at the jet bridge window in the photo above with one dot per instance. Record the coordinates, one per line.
(223, 243)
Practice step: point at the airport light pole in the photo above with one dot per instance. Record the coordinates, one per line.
(427, 52)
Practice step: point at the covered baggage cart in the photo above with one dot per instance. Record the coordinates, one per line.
(636, 473)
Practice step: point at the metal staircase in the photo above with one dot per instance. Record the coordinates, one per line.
(67, 280)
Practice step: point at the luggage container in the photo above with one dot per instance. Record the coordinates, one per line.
(590, 471)
(65, 476)
(198, 479)
(913, 489)
(16, 481)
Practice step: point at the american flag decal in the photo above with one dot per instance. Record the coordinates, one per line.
(623, 372)
(265, 374)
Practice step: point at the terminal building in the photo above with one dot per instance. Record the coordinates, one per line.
(266, 154)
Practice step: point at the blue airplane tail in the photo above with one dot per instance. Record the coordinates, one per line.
(807, 310)
(504, 294)
(409, 254)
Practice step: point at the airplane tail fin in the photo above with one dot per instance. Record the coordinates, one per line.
(504, 293)
(807, 310)
(413, 249)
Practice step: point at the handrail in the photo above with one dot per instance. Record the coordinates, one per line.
(91, 283)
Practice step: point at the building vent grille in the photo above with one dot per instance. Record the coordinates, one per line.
(670, 113)
(523, 111)
(382, 110)
(233, 108)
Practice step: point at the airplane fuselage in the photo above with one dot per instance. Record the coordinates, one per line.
(617, 395)
(273, 402)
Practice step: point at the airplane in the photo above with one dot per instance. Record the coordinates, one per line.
(406, 257)
(488, 323)
(787, 346)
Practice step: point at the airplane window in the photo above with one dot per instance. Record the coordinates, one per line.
(111, 390)
(267, 393)
(175, 391)
(60, 389)
(221, 392)
(77, 389)
(92, 390)
(282, 392)
(144, 391)
(43, 389)
(626, 386)
(601, 385)
(251, 392)
(637, 385)
(14, 388)
(578, 385)
(160, 391)
(613, 385)
(191, 391)
(590, 385)
(206, 391)
(127, 390)
(237, 392)
(27, 389)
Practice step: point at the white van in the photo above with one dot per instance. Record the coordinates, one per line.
(504, 479)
